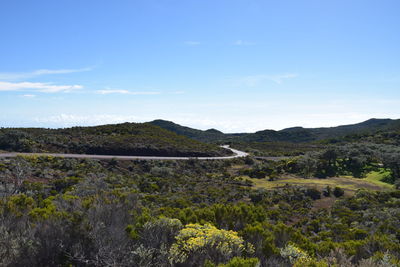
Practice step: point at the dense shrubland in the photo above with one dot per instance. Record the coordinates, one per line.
(118, 139)
(189, 213)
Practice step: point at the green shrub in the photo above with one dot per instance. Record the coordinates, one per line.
(338, 192)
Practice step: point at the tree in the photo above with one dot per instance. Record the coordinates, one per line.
(391, 161)
(327, 164)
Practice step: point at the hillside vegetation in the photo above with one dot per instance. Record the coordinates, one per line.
(204, 136)
(331, 202)
(294, 135)
(72, 212)
(118, 139)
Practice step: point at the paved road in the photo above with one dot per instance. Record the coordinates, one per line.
(273, 158)
(238, 154)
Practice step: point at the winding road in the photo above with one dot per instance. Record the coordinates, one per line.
(238, 154)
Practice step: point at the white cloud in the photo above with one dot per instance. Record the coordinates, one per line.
(36, 73)
(28, 96)
(243, 43)
(227, 126)
(68, 120)
(39, 87)
(192, 43)
(125, 92)
(254, 80)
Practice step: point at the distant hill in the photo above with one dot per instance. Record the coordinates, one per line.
(204, 136)
(117, 139)
(165, 138)
(294, 135)
(300, 134)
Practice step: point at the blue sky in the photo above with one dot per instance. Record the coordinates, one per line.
(234, 65)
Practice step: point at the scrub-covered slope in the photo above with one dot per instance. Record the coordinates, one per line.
(116, 139)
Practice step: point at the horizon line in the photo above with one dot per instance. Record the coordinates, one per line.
(138, 122)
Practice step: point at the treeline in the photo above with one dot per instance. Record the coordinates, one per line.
(57, 211)
(119, 139)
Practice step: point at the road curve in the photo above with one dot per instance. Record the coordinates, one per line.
(238, 154)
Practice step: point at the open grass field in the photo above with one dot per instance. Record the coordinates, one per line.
(349, 184)
(376, 178)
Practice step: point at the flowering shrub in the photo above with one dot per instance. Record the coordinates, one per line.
(196, 243)
(294, 254)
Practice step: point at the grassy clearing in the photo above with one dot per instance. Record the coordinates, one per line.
(349, 184)
(376, 177)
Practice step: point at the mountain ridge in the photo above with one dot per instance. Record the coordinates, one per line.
(296, 134)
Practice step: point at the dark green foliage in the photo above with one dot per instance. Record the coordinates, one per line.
(338, 192)
(210, 135)
(260, 171)
(15, 140)
(241, 262)
(293, 135)
(351, 159)
(119, 139)
(313, 193)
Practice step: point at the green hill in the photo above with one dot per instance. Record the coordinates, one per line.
(294, 135)
(210, 135)
(118, 139)
(165, 138)
(300, 134)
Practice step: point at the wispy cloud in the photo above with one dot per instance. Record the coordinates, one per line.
(254, 80)
(281, 77)
(177, 92)
(192, 43)
(67, 120)
(243, 43)
(32, 74)
(28, 96)
(125, 92)
(39, 87)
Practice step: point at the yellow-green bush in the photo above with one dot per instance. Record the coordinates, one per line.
(201, 242)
